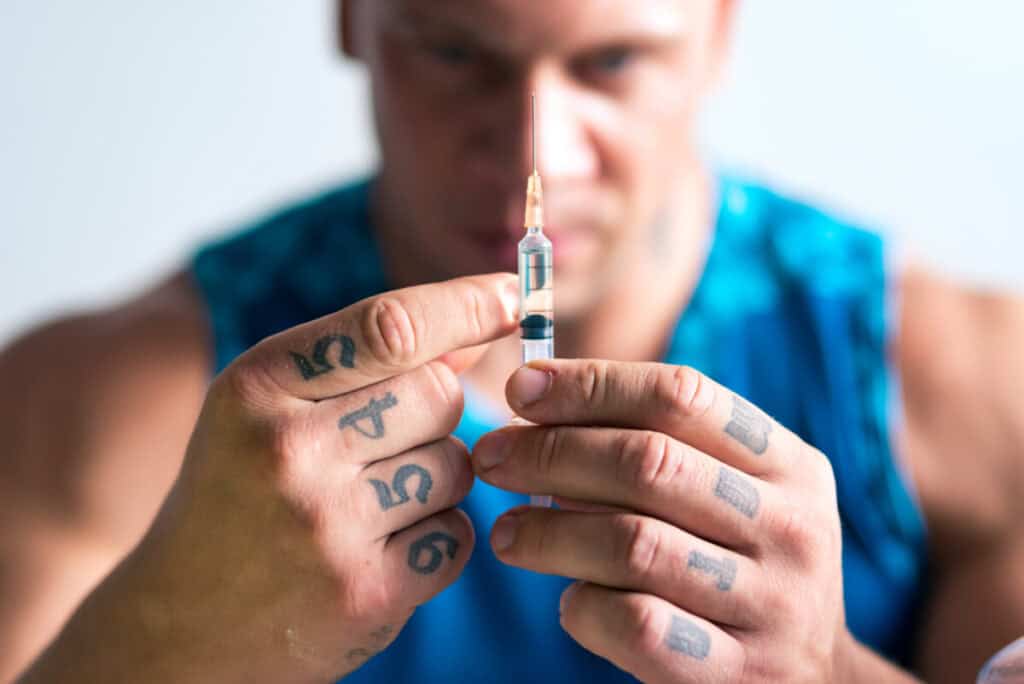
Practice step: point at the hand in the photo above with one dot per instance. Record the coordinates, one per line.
(314, 510)
(705, 534)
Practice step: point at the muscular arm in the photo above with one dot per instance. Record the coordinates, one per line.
(963, 367)
(95, 412)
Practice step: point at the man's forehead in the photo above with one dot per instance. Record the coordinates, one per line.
(561, 22)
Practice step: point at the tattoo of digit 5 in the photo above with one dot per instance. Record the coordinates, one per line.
(724, 570)
(398, 484)
(748, 426)
(429, 545)
(684, 636)
(372, 412)
(736, 491)
(320, 365)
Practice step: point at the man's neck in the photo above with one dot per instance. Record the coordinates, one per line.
(633, 321)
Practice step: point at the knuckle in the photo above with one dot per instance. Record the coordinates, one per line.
(249, 383)
(475, 312)
(365, 599)
(683, 390)
(800, 533)
(593, 382)
(640, 623)
(393, 335)
(443, 383)
(641, 546)
(650, 460)
(550, 443)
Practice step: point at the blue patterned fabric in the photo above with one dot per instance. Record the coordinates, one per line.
(791, 312)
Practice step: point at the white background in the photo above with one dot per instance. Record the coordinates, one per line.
(130, 130)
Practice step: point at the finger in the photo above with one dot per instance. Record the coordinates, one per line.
(649, 637)
(634, 552)
(638, 470)
(676, 400)
(389, 418)
(398, 492)
(427, 557)
(380, 337)
(462, 360)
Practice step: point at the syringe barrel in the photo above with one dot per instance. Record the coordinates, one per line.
(536, 295)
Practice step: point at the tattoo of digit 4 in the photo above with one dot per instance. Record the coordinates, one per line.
(738, 492)
(724, 570)
(319, 364)
(684, 636)
(372, 412)
(429, 545)
(748, 425)
(398, 485)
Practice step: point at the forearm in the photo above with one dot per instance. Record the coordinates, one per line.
(857, 663)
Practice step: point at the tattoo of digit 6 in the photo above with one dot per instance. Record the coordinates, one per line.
(429, 544)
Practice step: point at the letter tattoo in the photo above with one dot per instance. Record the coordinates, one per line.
(748, 425)
(738, 492)
(687, 638)
(724, 570)
(320, 365)
(429, 544)
(398, 484)
(371, 411)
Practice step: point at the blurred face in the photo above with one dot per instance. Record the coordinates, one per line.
(617, 84)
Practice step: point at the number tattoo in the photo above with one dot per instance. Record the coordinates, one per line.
(724, 570)
(429, 544)
(748, 425)
(357, 656)
(371, 411)
(684, 636)
(320, 365)
(398, 484)
(738, 492)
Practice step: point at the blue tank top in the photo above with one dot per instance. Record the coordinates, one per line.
(791, 311)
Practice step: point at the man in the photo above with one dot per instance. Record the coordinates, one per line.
(314, 511)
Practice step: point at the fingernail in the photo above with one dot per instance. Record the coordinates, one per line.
(566, 595)
(529, 385)
(490, 451)
(504, 533)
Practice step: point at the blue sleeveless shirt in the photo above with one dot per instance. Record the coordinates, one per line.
(791, 312)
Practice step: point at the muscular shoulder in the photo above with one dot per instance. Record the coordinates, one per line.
(97, 409)
(962, 367)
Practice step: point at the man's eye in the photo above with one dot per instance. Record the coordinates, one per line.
(450, 54)
(612, 60)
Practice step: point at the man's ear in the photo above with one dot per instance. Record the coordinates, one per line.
(344, 14)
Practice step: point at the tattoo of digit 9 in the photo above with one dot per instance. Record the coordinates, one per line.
(429, 546)
(748, 425)
(372, 412)
(320, 363)
(402, 475)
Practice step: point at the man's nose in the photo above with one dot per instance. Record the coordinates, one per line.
(564, 146)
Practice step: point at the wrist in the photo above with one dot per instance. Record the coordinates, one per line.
(853, 662)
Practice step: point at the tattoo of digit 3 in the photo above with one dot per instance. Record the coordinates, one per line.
(429, 544)
(738, 492)
(372, 412)
(724, 570)
(684, 636)
(398, 485)
(319, 363)
(748, 425)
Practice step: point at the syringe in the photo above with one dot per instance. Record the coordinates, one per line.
(536, 296)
